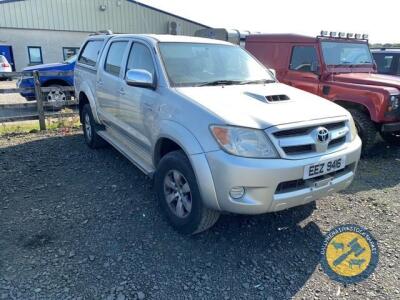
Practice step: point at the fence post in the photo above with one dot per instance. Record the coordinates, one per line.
(39, 100)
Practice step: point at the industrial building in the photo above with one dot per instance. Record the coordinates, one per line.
(46, 31)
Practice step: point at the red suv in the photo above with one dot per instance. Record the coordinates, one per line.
(340, 69)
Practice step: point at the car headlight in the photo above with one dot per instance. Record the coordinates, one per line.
(244, 142)
(393, 102)
(353, 129)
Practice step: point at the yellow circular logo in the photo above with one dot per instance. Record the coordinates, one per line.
(349, 254)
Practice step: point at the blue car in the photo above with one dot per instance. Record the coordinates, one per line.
(55, 95)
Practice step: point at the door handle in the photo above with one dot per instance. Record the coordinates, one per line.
(99, 82)
(122, 91)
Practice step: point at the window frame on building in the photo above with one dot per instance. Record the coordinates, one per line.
(75, 49)
(30, 58)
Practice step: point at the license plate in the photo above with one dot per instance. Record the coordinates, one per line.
(324, 167)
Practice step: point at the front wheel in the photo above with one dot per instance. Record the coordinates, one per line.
(366, 130)
(179, 196)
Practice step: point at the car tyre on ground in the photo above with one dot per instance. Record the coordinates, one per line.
(366, 130)
(92, 139)
(179, 196)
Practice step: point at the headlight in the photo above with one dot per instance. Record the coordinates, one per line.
(353, 129)
(244, 142)
(394, 102)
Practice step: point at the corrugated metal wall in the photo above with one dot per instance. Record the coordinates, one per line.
(121, 16)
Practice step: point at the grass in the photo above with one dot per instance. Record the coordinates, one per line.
(53, 123)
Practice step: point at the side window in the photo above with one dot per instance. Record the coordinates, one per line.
(303, 57)
(90, 53)
(397, 60)
(114, 58)
(140, 58)
(384, 62)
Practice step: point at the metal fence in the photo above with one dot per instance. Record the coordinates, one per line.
(39, 109)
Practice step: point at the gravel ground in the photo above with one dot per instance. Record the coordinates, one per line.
(84, 224)
(10, 98)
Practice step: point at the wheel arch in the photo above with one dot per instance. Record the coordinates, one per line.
(173, 136)
(50, 82)
(357, 106)
(85, 96)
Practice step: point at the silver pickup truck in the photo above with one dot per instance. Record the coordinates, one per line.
(212, 126)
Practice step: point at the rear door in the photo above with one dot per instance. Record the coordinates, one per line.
(136, 111)
(109, 79)
(301, 72)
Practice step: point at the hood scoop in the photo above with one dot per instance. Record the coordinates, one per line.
(269, 98)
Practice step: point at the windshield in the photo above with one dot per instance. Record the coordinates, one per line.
(194, 64)
(70, 60)
(337, 53)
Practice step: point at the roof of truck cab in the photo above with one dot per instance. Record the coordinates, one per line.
(281, 38)
(165, 38)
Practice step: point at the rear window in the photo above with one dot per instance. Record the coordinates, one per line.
(91, 52)
(114, 58)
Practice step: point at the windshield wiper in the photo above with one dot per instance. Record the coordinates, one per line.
(219, 82)
(257, 81)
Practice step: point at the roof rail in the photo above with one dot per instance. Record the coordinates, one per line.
(100, 32)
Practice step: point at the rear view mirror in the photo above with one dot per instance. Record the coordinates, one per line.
(140, 78)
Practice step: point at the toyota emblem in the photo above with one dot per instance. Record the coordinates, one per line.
(322, 135)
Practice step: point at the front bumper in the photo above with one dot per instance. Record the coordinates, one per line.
(262, 177)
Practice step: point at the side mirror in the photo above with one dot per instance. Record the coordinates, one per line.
(315, 67)
(140, 78)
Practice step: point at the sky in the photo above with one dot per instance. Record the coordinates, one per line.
(308, 17)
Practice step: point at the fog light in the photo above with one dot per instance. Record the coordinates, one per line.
(237, 192)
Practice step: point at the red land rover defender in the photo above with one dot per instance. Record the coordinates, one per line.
(340, 69)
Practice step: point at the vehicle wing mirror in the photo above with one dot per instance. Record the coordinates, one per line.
(140, 78)
(315, 67)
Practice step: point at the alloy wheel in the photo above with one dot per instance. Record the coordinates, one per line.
(177, 193)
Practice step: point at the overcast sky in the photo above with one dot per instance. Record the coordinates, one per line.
(380, 19)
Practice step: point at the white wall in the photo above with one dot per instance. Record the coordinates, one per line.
(51, 42)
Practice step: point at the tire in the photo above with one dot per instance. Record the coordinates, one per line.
(89, 126)
(366, 130)
(173, 173)
(392, 138)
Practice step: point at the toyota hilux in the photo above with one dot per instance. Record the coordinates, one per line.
(212, 126)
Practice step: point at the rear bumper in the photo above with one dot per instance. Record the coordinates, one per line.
(262, 177)
(390, 127)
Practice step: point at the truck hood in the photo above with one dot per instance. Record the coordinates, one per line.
(246, 105)
(47, 67)
(368, 79)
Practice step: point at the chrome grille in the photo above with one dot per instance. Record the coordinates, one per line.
(303, 141)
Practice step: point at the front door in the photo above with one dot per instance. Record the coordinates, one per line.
(136, 111)
(109, 81)
(302, 69)
(7, 52)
